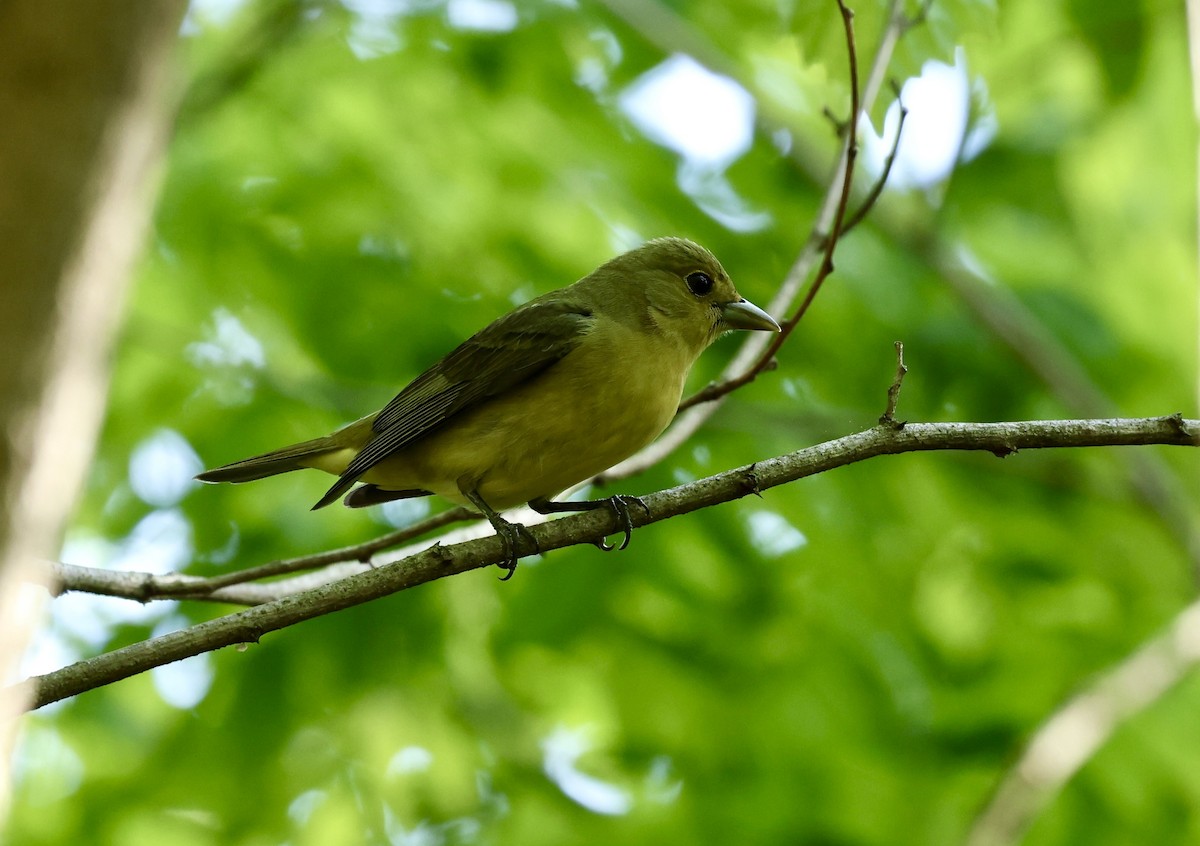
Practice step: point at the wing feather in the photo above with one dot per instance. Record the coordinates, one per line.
(507, 353)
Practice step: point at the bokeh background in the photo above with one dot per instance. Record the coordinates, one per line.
(858, 658)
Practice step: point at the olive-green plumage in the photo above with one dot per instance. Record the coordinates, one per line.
(557, 390)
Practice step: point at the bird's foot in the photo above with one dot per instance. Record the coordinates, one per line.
(513, 536)
(619, 504)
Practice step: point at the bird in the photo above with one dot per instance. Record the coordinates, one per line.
(554, 392)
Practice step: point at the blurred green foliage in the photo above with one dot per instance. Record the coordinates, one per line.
(853, 659)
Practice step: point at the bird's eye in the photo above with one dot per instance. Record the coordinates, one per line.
(699, 283)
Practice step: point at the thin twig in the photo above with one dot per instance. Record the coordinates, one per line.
(850, 156)
(693, 416)
(893, 394)
(145, 587)
(167, 586)
(921, 15)
(248, 586)
(876, 191)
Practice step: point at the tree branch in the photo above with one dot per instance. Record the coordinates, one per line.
(83, 89)
(145, 587)
(437, 562)
(1075, 732)
(999, 309)
(889, 162)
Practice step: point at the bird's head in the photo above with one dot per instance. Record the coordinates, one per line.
(677, 287)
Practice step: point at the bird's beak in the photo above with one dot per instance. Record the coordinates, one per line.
(746, 315)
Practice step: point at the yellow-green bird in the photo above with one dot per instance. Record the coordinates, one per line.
(552, 393)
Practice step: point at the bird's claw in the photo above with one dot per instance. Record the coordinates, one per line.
(619, 504)
(511, 536)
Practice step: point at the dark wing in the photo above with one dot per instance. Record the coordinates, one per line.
(510, 351)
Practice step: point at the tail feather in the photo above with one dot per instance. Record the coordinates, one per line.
(269, 463)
